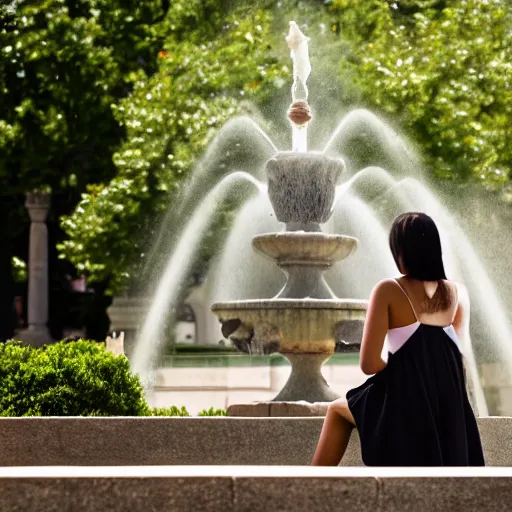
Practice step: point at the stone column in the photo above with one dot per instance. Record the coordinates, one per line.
(196, 300)
(37, 204)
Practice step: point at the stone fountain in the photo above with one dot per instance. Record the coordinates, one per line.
(305, 322)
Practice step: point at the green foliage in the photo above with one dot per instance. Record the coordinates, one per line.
(111, 102)
(210, 59)
(19, 270)
(213, 412)
(62, 64)
(429, 66)
(211, 349)
(74, 379)
(182, 411)
(444, 70)
(67, 379)
(168, 411)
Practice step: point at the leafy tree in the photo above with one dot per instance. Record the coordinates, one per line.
(63, 63)
(150, 82)
(212, 57)
(443, 69)
(425, 63)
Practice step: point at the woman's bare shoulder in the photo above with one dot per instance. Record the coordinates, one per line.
(386, 286)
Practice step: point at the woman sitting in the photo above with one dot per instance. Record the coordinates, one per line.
(414, 410)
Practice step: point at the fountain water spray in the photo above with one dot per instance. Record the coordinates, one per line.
(299, 113)
(171, 283)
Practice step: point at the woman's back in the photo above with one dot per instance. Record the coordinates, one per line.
(411, 302)
(404, 319)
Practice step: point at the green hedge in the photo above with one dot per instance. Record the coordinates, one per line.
(78, 378)
(213, 412)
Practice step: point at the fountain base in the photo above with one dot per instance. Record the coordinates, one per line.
(306, 381)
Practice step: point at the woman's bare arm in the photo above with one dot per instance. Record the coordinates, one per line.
(375, 329)
(461, 319)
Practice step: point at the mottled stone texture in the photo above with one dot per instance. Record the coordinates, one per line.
(239, 490)
(302, 187)
(445, 494)
(190, 441)
(308, 494)
(155, 441)
(279, 409)
(116, 494)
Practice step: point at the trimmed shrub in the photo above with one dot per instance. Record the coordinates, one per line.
(78, 378)
(67, 379)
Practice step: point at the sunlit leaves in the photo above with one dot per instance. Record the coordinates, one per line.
(440, 69)
(445, 71)
(206, 66)
(62, 65)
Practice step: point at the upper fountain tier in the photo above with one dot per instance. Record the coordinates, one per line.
(303, 257)
(310, 249)
(301, 188)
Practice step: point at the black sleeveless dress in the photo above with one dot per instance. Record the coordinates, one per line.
(416, 411)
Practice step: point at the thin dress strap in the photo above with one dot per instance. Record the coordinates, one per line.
(407, 296)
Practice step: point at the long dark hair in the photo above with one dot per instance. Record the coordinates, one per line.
(416, 247)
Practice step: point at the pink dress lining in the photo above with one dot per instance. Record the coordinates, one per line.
(397, 338)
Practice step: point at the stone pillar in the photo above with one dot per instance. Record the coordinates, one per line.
(196, 300)
(37, 204)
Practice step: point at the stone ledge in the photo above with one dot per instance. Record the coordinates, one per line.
(190, 441)
(254, 489)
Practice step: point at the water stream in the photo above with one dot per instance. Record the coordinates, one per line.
(168, 293)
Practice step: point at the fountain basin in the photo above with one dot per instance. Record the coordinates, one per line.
(288, 326)
(302, 330)
(302, 187)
